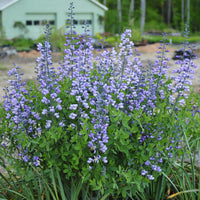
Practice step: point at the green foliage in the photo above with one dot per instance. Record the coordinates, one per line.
(6, 42)
(19, 25)
(137, 37)
(185, 173)
(22, 44)
(68, 152)
(156, 15)
(112, 40)
(110, 21)
(174, 39)
(57, 38)
(153, 26)
(154, 21)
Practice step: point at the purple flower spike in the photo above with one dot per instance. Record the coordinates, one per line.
(26, 158)
(147, 162)
(150, 177)
(144, 172)
(104, 159)
(72, 116)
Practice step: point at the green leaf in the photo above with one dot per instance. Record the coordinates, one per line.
(125, 121)
(123, 193)
(60, 185)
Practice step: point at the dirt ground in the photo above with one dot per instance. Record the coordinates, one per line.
(27, 61)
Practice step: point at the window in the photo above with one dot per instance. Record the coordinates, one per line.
(82, 21)
(75, 21)
(44, 22)
(28, 22)
(52, 22)
(36, 22)
(89, 22)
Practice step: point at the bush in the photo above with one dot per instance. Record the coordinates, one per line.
(112, 40)
(109, 125)
(23, 44)
(57, 38)
(153, 25)
(20, 44)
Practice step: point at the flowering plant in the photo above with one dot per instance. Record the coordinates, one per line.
(107, 120)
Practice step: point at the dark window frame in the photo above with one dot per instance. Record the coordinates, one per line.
(88, 21)
(36, 22)
(29, 22)
(52, 22)
(75, 22)
(82, 21)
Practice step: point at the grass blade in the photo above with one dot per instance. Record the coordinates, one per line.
(54, 183)
(178, 193)
(61, 186)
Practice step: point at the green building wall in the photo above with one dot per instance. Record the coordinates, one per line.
(1, 20)
(38, 12)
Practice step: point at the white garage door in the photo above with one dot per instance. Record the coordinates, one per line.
(35, 23)
(80, 19)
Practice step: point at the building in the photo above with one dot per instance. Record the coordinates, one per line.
(27, 17)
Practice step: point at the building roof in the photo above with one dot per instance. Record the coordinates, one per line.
(5, 3)
(99, 4)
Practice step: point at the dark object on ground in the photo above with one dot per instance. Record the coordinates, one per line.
(142, 43)
(181, 54)
(7, 51)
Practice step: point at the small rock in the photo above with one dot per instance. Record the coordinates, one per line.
(7, 51)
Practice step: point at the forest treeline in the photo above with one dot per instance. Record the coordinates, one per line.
(151, 15)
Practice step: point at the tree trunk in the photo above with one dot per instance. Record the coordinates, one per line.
(174, 14)
(182, 11)
(104, 2)
(169, 12)
(119, 10)
(188, 12)
(196, 11)
(131, 10)
(143, 14)
(164, 11)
